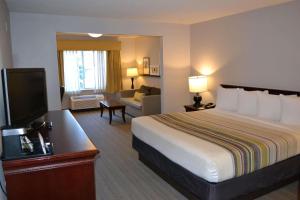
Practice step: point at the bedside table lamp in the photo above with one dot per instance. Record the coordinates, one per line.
(197, 84)
(132, 72)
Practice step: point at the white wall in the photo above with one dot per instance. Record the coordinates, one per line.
(148, 47)
(5, 51)
(132, 52)
(5, 61)
(128, 59)
(33, 44)
(259, 48)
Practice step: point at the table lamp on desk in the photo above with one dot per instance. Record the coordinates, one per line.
(197, 84)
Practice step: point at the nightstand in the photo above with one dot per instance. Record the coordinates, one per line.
(191, 108)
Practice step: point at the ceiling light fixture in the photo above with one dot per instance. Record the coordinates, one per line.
(95, 35)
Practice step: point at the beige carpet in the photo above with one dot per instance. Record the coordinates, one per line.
(119, 173)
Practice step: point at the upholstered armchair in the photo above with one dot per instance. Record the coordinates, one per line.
(149, 104)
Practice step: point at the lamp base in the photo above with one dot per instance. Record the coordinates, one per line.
(132, 86)
(197, 100)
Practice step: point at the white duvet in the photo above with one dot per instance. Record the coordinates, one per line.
(204, 159)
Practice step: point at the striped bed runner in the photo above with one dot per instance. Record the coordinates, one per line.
(252, 146)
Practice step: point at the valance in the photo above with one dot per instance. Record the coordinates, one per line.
(94, 45)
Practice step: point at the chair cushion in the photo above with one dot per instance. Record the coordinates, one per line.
(155, 91)
(131, 102)
(145, 89)
(138, 96)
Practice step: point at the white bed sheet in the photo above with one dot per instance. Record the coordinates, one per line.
(204, 159)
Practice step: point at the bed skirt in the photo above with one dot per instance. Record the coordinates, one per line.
(248, 186)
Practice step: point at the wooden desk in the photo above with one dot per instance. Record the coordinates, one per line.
(67, 174)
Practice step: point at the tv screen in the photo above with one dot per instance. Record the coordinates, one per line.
(25, 95)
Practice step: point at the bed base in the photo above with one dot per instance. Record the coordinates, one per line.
(193, 187)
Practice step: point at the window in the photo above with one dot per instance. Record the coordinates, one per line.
(84, 70)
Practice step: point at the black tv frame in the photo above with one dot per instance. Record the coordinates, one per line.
(4, 73)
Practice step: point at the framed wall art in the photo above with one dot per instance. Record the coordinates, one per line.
(154, 70)
(146, 66)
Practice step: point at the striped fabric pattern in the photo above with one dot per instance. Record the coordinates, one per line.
(252, 145)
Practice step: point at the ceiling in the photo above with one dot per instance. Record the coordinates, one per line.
(85, 36)
(171, 11)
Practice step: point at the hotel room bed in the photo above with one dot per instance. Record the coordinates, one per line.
(202, 168)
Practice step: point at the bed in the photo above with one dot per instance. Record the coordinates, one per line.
(206, 170)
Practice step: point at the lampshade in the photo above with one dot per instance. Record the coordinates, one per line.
(95, 35)
(197, 84)
(132, 72)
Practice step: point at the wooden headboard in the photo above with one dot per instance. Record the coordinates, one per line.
(271, 91)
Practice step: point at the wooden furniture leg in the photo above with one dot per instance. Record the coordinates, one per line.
(112, 106)
(298, 193)
(123, 114)
(101, 109)
(110, 115)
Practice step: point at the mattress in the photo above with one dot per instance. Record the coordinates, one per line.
(204, 159)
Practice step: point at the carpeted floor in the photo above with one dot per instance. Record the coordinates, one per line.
(119, 173)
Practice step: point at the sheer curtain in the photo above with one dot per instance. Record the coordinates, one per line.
(100, 66)
(82, 68)
(71, 71)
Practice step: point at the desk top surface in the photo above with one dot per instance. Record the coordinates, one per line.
(68, 138)
(67, 135)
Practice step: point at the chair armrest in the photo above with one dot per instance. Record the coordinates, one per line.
(151, 105)
(126, 93)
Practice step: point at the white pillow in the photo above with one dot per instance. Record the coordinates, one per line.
(247, 102)
(290, 110)
(227, 99)
(269, 107)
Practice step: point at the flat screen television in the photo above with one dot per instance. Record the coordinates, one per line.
(25, 95)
